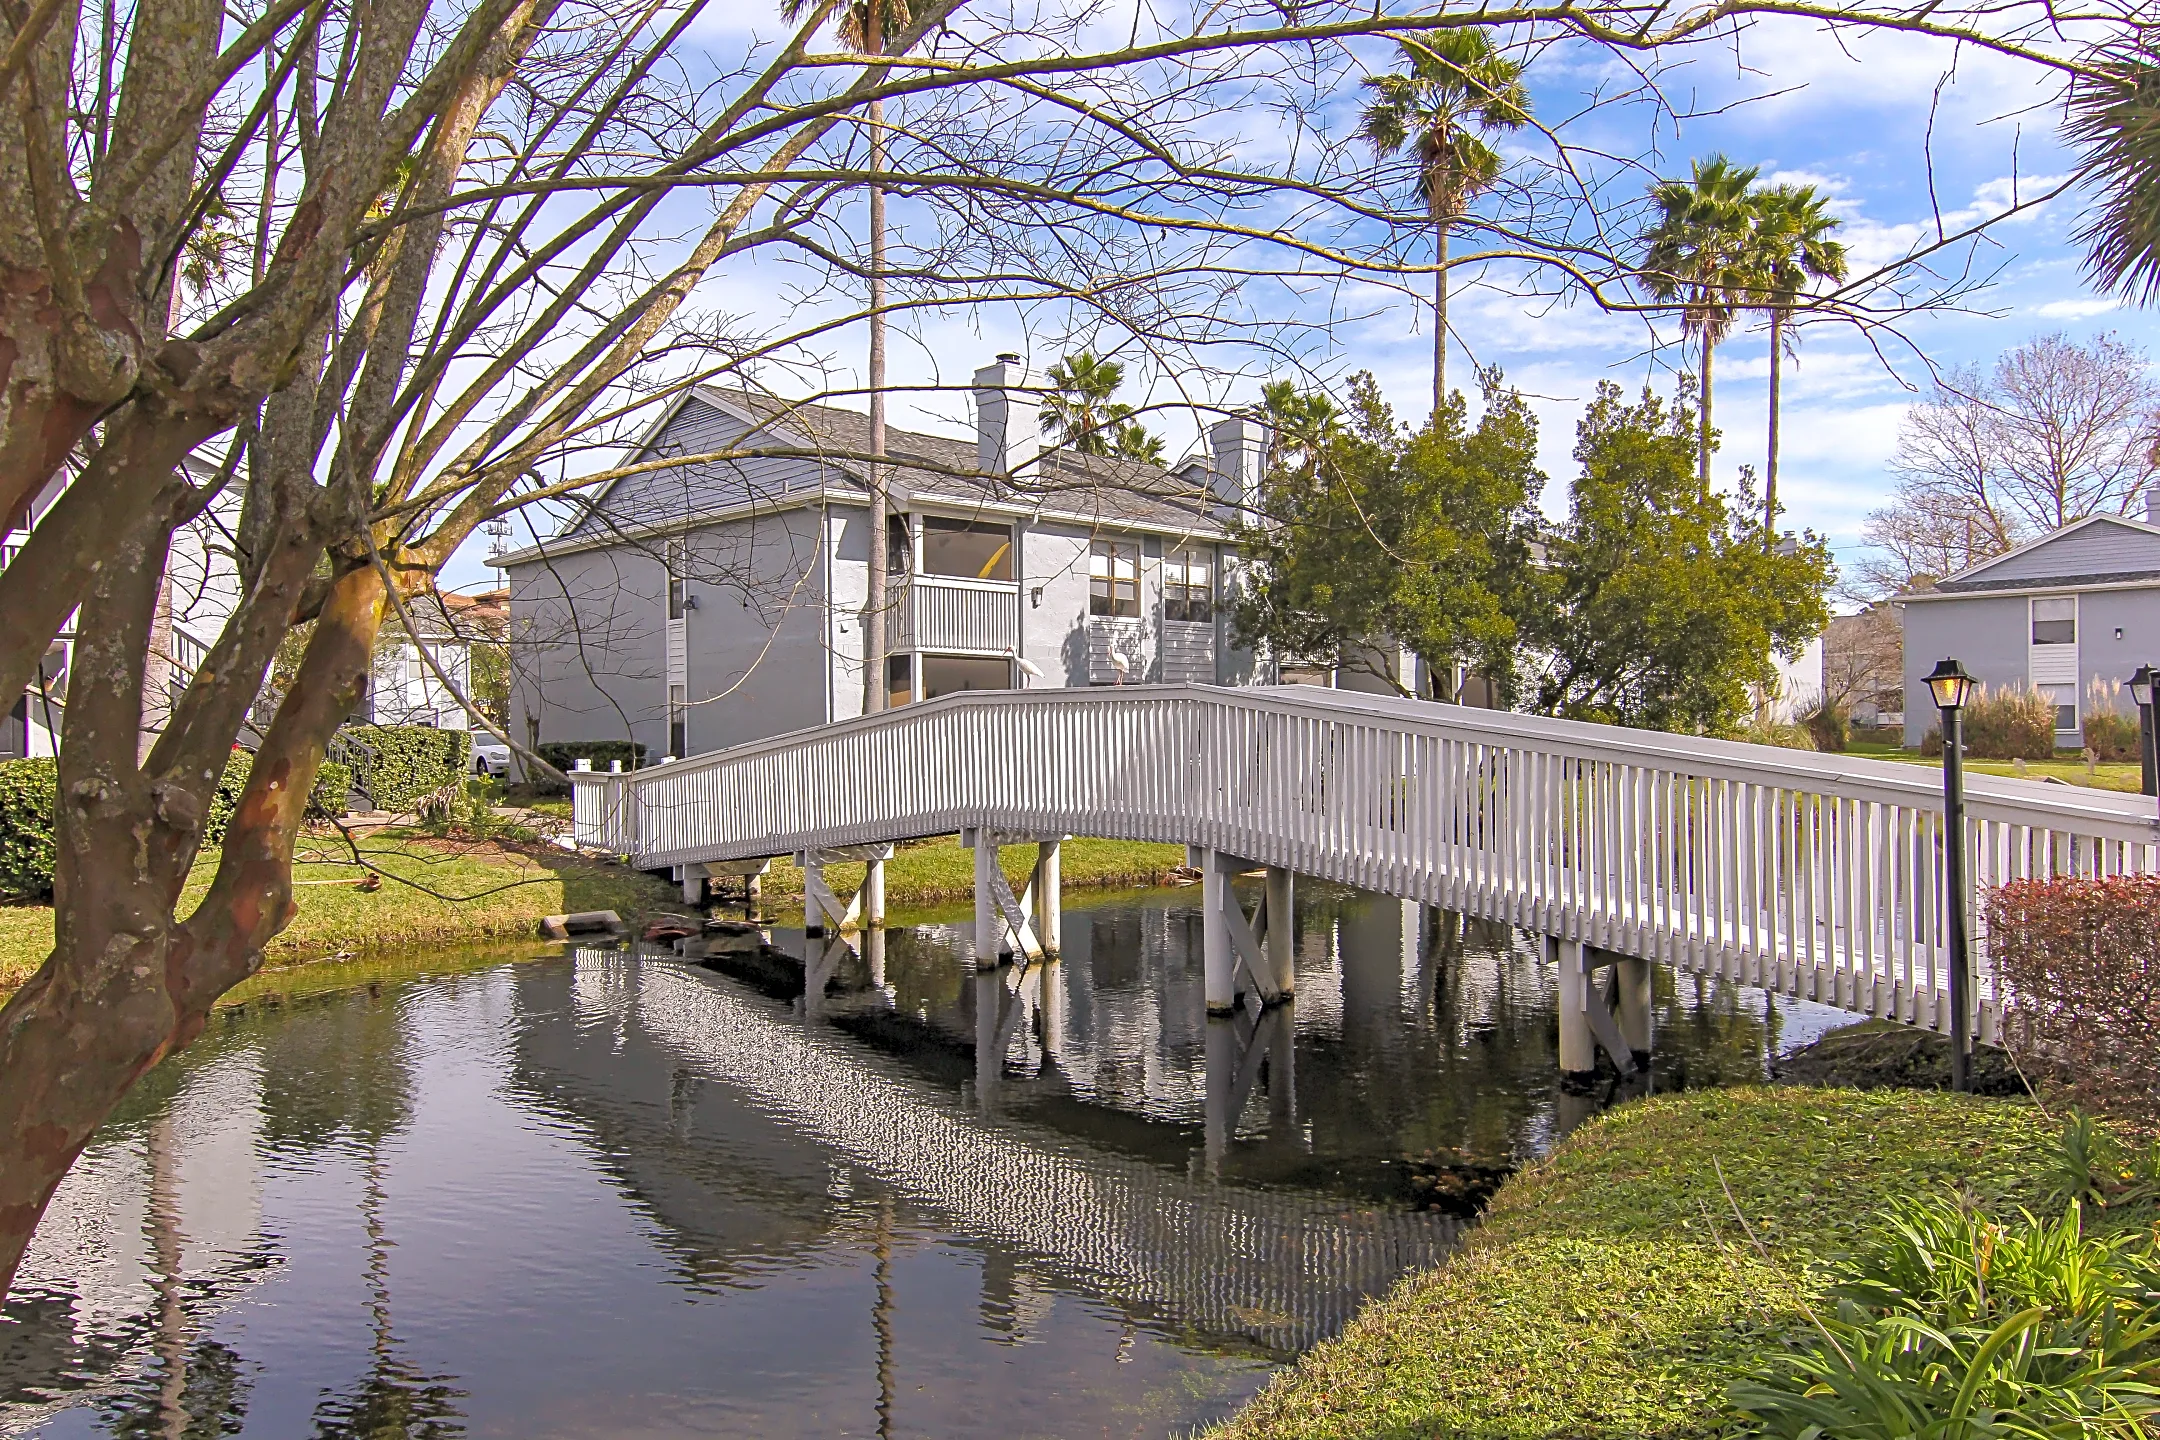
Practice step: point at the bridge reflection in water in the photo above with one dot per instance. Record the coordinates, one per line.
(1240, 1178)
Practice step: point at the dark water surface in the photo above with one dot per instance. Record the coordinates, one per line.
(629, 1195)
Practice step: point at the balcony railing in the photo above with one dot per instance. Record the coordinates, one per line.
(948, 614)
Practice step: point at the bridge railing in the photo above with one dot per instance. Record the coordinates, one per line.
(1815, 875)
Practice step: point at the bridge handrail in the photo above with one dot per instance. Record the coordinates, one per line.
(2079, 808)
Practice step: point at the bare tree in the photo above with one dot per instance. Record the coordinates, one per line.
(2055, 432)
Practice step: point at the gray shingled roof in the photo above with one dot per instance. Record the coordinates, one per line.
(1101, 487)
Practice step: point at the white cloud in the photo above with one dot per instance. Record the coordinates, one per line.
(2074, 309)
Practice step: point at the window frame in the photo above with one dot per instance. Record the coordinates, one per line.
(2034, 622)
(678, 720)
(1181, 597)
(1106, 584)
(678, 591)
(1001, 559)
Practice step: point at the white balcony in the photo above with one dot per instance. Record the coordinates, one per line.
(954, 616)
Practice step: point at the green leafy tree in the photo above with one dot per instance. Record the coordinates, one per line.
(1080, 415)
(1792, 251)
(1699, 252)
(1374, 533)
(1663, 605)
(1456, 88)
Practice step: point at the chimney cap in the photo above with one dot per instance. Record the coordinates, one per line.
(1008, 357)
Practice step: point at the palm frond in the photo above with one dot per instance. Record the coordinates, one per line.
(2115, 123)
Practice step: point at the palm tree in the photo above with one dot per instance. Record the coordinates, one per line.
(1456, 87)
(1699, 252)
(1079, 414)
(2115, 121)
(1793, 249)
(865, 25)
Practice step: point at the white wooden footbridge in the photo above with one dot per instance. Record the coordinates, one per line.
(1815, 876)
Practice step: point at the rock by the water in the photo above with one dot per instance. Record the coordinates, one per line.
(1877, 1054)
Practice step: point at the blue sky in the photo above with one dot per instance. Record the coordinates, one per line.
(1854, 116)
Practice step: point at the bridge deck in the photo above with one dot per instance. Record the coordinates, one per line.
(1817, 876)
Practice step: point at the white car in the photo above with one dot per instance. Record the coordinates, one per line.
(489, 755)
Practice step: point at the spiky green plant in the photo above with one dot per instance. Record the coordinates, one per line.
(1699, 253)
(2115, 123)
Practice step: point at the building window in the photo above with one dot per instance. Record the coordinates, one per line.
(970, 549)
(677, 582)
(950, 674)
(678, 720)
(1114, 577)
(899, 679)
(899, 553)
(1188, 586)
(2064, 699)
(2054, 622)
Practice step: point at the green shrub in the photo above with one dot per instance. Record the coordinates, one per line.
(330, 798)
(1828, 723)
(394, 765)
(1778, 733)
(1950, 1324)
(564, 755)
(28, 791)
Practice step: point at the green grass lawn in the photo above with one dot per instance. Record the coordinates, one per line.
(473, 891)
(1613, 1292)
(2067, 767)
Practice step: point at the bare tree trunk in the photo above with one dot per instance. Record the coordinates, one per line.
(874, 601)
(1439, 340)
(1777, 356)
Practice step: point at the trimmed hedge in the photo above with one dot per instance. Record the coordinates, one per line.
(29, 791)
(564, 755)
(394, 765)
(2079, 964)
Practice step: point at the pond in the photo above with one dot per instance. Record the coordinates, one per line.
(642, 1193)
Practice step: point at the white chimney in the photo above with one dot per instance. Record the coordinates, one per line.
(1008, 425)
(2152, 504)
(1238, 445)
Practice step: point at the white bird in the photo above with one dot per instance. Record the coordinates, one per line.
(1028, 667)
(1119, 663)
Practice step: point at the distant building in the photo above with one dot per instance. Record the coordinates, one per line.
(2072, 614)
(704, 605)
(202, 589)
(404, 689)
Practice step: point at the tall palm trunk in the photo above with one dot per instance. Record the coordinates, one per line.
(874, 601)
(1702, 439)
(1439, 339)
(1777, 356)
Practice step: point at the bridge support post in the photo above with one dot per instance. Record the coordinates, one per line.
(1049, 901)
(1633, 977)
(1281, 936)
(987, 938)
(1578, 1046)
(1218, 961)
(873, 893)
(693, 885)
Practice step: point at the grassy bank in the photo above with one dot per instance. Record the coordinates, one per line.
(1611, 1291)
(474, 891)
(482, 891)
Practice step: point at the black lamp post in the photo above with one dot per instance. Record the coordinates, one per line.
(2141, 690)
(1952, 687)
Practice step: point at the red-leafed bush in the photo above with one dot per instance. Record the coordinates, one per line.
(2079, 966)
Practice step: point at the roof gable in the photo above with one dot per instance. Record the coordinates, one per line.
(2095, 550)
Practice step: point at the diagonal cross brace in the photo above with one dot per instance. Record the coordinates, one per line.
(1013, 913)
(1605, 1028)
(1247, 946)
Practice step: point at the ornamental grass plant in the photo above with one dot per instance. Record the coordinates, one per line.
(2005, 723)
